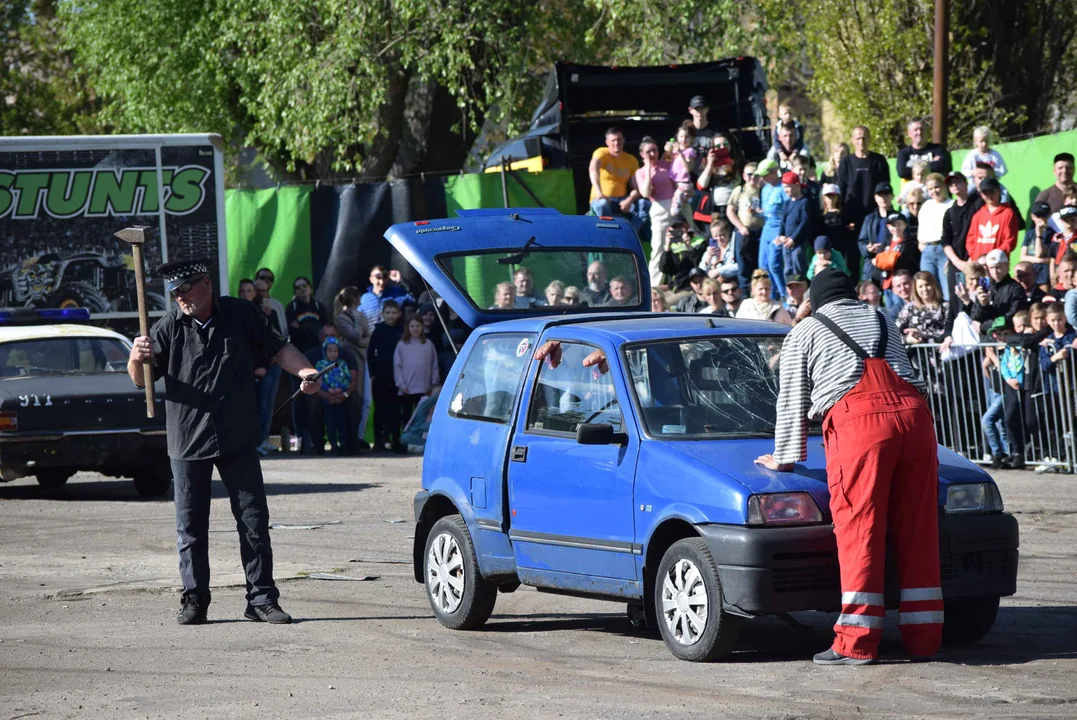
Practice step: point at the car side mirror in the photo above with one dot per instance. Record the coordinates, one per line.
(599, 434)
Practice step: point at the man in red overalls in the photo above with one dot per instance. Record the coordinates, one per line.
(846, 364)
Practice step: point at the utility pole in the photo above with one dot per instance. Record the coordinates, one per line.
(941, 120)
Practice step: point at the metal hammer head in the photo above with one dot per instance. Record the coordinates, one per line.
(135, 235)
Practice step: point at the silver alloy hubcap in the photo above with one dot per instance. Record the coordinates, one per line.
(445, 573)
(684, 602)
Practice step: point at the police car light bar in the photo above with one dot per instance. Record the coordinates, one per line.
(31, 316)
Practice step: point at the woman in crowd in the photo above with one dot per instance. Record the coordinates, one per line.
(712, 293)
(830, 168)
(305, 316)
(717, 180)
(745, 214)
(924, 319)
(655, 184)
(932, 217)
(415, 367)
(555, 293)
(354, 331)
(572, 296)
(913, 202)
(760, 306)
(658, 301)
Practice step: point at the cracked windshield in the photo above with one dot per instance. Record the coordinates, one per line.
(532, 277)
(717, 387)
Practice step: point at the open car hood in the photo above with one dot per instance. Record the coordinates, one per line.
(464, 259)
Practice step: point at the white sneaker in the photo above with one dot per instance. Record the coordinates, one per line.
(987, 459)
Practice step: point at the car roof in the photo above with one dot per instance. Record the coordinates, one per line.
(642, 327)
(64, 330)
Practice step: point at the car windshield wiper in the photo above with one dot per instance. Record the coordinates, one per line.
(517, 257)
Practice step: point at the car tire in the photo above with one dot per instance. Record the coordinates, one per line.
(967, 620)
(152, 482)
(460, 598)
(687, 581)
(52, 478)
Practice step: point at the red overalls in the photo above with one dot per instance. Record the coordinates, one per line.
(883, 473)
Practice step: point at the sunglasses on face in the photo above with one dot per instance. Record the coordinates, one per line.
(729, 291)
(186, 287)
(266, 278)
(571, 299)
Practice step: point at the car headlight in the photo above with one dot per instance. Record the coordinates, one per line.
(982, 497)
(783, 509)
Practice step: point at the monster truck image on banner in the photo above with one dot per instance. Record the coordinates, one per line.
(63, 198)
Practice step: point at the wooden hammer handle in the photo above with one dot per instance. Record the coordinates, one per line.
(144, 329)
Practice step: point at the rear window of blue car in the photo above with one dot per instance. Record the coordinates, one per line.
(487, 387)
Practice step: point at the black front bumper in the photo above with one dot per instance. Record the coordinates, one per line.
(113, 452)
(779, 570)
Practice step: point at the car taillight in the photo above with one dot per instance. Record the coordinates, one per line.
(9, 420)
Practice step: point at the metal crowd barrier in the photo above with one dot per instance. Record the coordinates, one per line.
(960, 392)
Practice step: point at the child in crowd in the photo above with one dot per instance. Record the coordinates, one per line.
(415, 367)
(785, 115)
(833, 222)
(555, 293)
(1012, 368)
(380, 352)
(682, 158)
(334, 383)
(1056, 346)
(504, 296)
(868, 292)
(825, 256)
(919, 172)
(983, 153)
(898, 254)
(1036, 248)
(1069, 197)
(1066, 240)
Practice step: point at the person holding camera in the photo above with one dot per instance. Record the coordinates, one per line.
(682, 253)
(1000, 295)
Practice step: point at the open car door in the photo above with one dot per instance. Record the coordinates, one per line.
(492, 265)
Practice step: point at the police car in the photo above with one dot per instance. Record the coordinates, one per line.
(68, 405)
(625, 471)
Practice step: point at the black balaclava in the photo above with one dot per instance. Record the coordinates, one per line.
(829, 285)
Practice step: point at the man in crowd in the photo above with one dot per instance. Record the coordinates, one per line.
(597, 291)
(206, 349)
(1063, 169)
(1025, 274)
(796, 288)
(993, 226)
(1064, 277)
(611, 171)
(955, 225)
(859, 174)
(693, 302)
(731, 294)
(982, 172)
(622, 292)
(524, 283)
(841, 365)
(787, 149)
(936, 156)
(1003, 297)
(380, 290)
(698, 110)
(899, 294)
(265, 275)
(873, 232)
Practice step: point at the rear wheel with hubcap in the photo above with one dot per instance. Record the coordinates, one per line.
(460, 597)
(688, 602)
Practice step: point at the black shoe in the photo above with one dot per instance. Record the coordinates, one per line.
(363, 445)
(192, 611)
(829, 657)
(998, 461)
(399, 448)
(1016, 462)
(270, 613)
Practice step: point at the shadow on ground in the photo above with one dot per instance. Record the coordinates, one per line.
(124, 489)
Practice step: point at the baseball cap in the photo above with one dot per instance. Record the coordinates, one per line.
(954, 177)
(990, 185)
(790, 178)
(884, 188)
(791, 278)
(1041, 209)
(996, 257)
(894, 217)
(766, 167)
(1000, 323)
(698, 101)
(1068, 212)
(831, 189)
(822, 242)
(696, 272)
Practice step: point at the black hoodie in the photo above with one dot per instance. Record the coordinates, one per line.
(379, 354)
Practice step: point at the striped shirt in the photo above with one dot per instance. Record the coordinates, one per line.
(817, 370)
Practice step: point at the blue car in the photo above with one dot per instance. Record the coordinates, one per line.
(620, 467)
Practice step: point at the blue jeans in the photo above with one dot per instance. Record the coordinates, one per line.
(266, 389)
(933, 260)
(794, 261)
(992, 421)
(771, 259)
(242, 477)
(610, 207)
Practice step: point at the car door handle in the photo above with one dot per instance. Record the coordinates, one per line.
(519, 453)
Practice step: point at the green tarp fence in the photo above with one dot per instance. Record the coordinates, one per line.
(268, 228)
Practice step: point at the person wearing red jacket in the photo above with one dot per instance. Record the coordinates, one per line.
(993, 226)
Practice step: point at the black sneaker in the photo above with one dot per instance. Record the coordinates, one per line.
(998, 461)
(192, 611)
(363, 445)
(1016, 462)
(270, 613)
(399, 448)
(830, 657)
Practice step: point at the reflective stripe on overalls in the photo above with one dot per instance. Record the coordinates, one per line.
(883, 473)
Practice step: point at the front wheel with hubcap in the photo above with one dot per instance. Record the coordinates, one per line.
(688, 601)
(460, 597)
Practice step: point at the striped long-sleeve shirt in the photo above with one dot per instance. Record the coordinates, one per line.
(817, 370)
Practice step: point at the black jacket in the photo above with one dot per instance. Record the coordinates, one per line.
(379, 354)
(1004, 300)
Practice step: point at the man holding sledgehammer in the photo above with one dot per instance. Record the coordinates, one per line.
(846, 364)
(205, 350)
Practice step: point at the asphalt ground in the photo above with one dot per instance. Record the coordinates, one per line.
(88, 594)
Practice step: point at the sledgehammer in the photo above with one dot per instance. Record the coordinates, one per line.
(137, 237)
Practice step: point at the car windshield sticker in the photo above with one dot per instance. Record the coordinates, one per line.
(674, 429)
(522, 347)
(457, 403)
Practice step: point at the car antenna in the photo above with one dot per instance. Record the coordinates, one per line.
(517, 257)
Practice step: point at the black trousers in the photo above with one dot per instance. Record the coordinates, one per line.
(386, 410)
(1013, 403)
(242, 476)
